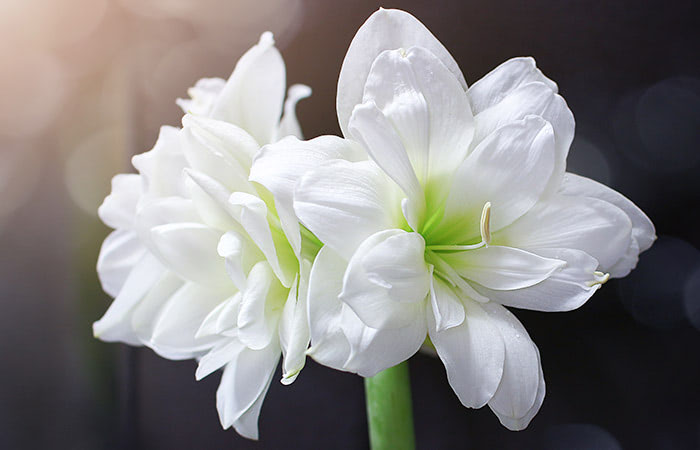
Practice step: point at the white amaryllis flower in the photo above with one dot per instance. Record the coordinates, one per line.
(198, 264)
(462, 207)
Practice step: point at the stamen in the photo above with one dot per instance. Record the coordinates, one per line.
(456, 248)
(485, 227)
(600, 278)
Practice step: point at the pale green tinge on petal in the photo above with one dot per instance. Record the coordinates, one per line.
(294, 328)
(252, 214)
(243, 386)
(510, 169)
(240, 255)
(473, 354)
(261, 307)
(344, 203)
(279, 166)
(517, 398)
(253, 96)
(387, 279)
(386, 29)
(369, 126)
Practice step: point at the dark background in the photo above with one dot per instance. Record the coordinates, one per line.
(86, 83)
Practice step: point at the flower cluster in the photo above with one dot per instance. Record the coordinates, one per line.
(238, 242)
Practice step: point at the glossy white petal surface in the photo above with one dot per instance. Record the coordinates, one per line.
(344, 203)
(387, 279)
(473, 354)
(386, 29)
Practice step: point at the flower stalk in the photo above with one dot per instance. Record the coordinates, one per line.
(389, 410)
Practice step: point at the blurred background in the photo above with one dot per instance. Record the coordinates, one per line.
(85, 84)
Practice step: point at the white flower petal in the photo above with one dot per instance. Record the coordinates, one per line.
(502, 268)
(447, 307)
(240, 256)
(179, 319)
(115, 325)
(251, 212)
(339, 339)
(232, 141)
(203, 96)
(119, 207)
(343, 203)
(253, 95)
(563, 290)
(384, 30)
(451, 120)
(261, 307)
(393, 88)
(120, 252)
(373, 350)
(493, 87)
(517, 393)
(643, 232)
(206, 152)
(289, 125)
(161, 167)
(144, 315)
(190, 250)
(510, 169)
(294, 327)
(210, 200)
(329, 346)
(157, 211)
(426, 105)
(223, 319)
(535, 98)
(279, 166)
(594, 226)
(243, 386)
(387, 279)
(218, 357)
(371, 127)
(473, 355)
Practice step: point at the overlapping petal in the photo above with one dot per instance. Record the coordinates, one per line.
(386, 29)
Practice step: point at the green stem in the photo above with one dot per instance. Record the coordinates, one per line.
(389, 411)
